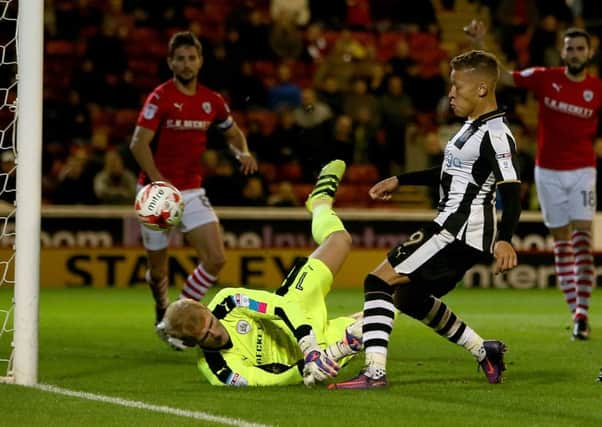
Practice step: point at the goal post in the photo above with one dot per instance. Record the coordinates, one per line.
(23, 365)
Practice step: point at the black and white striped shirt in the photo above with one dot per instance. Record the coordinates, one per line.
(481, 155)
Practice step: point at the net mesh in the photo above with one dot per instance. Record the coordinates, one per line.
(8, 126)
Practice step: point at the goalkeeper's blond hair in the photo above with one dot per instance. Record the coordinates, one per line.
(185, 318)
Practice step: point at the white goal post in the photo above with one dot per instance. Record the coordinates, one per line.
(23, 362)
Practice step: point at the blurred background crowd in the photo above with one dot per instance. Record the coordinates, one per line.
(362, 80)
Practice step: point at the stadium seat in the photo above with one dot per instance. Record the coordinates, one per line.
(60, 47)
(290, 171)
(361, 174)
(124, 122)
(267, 120)
(268, 171)
(302, 191)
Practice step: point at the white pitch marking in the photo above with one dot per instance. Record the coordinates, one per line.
(141, 405)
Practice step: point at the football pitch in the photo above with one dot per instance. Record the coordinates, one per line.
(100, 364)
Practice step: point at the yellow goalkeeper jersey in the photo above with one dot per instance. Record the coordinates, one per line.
(263, 348)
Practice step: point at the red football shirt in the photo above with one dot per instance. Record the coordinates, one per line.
(567, 117)
(180, 123)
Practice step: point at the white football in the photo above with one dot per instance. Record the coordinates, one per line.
(159, 205)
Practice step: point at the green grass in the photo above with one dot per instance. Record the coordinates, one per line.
(102, 342)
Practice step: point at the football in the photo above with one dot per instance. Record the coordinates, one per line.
(159, 206)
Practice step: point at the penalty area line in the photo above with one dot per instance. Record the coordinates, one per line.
(197, 415)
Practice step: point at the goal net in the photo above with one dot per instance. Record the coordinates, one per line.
(21, 56)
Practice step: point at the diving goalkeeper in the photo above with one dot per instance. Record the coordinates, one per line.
(259, 338)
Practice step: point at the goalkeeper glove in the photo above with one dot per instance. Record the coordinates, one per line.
(318, 366)
(175, 343)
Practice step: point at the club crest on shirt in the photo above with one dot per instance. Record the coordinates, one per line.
(527, 72)
(149, 111)
(243, 327)
(206, 107)
(588, 95)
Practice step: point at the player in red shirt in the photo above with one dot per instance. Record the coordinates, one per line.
(168, 142)
(565, 172)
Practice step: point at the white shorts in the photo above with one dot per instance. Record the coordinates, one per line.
(197, 211)
(566, 196)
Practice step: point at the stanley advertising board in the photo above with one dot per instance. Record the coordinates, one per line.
(260, 268)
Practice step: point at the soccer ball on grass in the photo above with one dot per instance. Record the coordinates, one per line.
(159, 206)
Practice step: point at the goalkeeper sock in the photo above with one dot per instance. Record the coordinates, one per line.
(351, 343)
(324, 221)
(197, 284)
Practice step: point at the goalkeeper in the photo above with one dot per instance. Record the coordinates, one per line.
(260, 338)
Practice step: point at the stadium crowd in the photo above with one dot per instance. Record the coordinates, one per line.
(363, 79)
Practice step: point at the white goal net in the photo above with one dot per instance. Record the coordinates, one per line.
(21, 65)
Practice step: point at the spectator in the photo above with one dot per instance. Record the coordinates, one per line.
(331, 13)
(358, 14)
(296, 11)
(254, 35)
(114, 184)
(359, 98)
(247, 90)
(366, 148)
(316, 45)
(254, 192)
(343, 138)
(224, 186)
(396, 110)
(76, 180)
(285, 141)
(331, 94)
(542, 46)
(286, 40)
(313, 118)
(285, 93)
(284, 196)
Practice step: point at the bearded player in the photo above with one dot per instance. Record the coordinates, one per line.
(260, 338)
(565, 172)
(168, 142)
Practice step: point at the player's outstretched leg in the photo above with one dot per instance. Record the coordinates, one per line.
(438, 316)
(327, 183)
(159, 288)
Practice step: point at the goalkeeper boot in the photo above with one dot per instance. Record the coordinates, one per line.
(369, 377)
(581, 329)
(327, 183)
(493, 364)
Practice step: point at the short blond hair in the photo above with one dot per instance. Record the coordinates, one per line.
(185, 318)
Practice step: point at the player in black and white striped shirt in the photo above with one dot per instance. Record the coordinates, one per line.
(479, 159)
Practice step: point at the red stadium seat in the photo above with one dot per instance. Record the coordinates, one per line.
(267, 120)
(302, 191)
(268, 171)
(290, 171)
(60, 47)
(361, 174)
